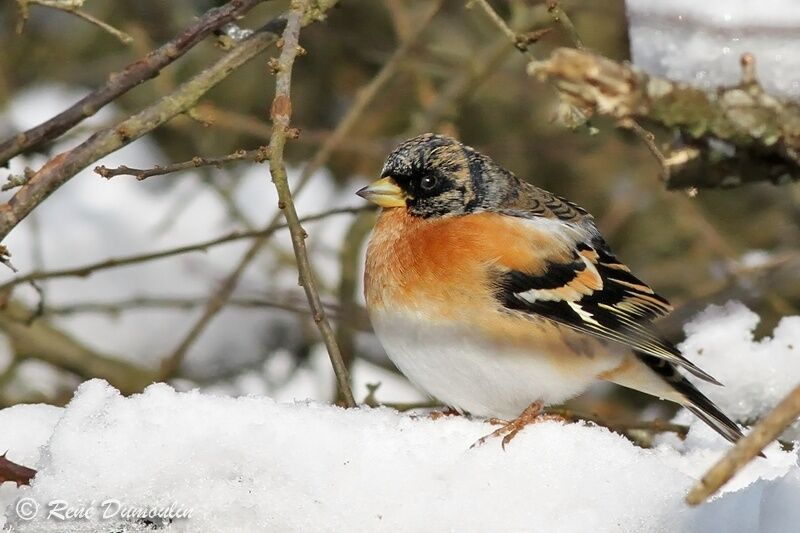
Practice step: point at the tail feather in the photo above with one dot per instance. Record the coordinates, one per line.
(691, 398)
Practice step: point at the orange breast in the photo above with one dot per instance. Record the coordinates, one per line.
(443, 265)
(441, 270)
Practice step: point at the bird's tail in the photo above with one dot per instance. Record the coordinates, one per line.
(661, 378)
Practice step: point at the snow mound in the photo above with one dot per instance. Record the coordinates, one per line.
(251, 464)
(757, 373)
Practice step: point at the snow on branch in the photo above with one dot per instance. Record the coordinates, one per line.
(739, 134)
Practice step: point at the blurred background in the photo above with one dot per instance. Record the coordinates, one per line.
(459, 76)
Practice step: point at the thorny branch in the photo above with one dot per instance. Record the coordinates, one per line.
(763, 433)
(736, 135)
(259, 155)
(10, 471)
(121, 82)
(281, 112)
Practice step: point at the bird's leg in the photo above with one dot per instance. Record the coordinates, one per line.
(509, 429)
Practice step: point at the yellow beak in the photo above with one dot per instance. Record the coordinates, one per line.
(384, 192)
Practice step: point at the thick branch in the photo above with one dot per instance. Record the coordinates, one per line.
(121, 82)
(746, 449)
(281, 112)
(738, 134)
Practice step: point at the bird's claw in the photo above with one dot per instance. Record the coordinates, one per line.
(509, 429)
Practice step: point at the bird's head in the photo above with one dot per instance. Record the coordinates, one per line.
(433, 176)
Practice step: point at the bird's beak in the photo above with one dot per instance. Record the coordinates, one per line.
(384, 192)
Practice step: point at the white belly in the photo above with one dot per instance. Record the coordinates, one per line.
(473, 373)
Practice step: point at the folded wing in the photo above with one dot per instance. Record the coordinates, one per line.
(592, 292)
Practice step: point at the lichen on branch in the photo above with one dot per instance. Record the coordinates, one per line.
(732, 136)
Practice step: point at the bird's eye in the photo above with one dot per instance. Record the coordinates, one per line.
(428, 183)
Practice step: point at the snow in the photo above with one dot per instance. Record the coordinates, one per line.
(255, 463)
(757, 373)
(701, 42)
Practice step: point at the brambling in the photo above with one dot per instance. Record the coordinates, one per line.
(497, 297)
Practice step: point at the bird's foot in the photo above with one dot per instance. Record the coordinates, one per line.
(509, 428)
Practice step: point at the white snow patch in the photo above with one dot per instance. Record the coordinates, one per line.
(701, 42)
(757, 373)
(251, 464)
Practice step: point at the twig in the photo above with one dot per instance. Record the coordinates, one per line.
(649, 139)
(281, 112)
(121, 82)
(766, 431)
(10, 471)
(570, 115)
(180, 303)
(561, 17)
(13, 181)
(349, 260)
(5, 258)
(471, 77)
(171, 364)
(69, 6)
(64, 166)
(87, 269)
(47, 343)
(258, 155)
(364, 98)
(518, 41)
(623, 428)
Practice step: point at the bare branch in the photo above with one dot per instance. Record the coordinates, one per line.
(349, 259)
(364, 98)
(258, 155)
(64, 166)
(87, 269)
(69, 6)
(763, 433)
(281, 112)
(121, 82)
(186, 303)
(560, 16)
(521, 43)
(47, 343)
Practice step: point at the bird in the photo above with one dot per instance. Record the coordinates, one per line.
(498, 298)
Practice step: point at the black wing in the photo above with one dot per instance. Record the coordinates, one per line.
(596, 294)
